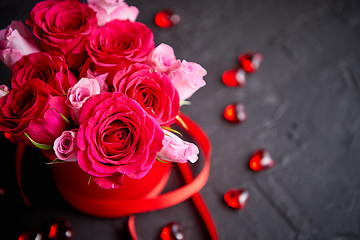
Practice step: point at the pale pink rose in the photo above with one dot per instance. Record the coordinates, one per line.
(108, 10)
(4, 90)
(65, 147)
(177, 150)
(188, 78)
(81, 91)
(163, 59)
(16, 41)
(108, 5)
(100, 77)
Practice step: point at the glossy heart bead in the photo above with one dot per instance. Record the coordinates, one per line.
(172, 231)
(166, 18)
(234, 77)
(34, 234)
(235, 113)
(237, 198)
(60, 229)
(260, 160)
(250, 62)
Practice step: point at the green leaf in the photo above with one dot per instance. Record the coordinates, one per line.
(55, 161)
(38, 145)
(66, 120)
(183, 124)
(161, 160)
(7, 92)
(171, 130)
(89, 180)
(184, 102)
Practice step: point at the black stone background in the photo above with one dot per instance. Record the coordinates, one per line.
(302, 105)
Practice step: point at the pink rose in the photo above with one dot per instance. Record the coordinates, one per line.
(4, 90)
(63, 26)
(65, 147)
(177, 150)
(81, 91)
(50, 68)
(116, 137)
(188, 78)
(119, 44)
(100, 77)
(163, 59)
(16, 41)
(108, 5)
(152, 90)
(108, 10)
(34, 109)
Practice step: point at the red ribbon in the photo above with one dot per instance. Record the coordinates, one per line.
(192, 186)
(20, 149)
(153, 202)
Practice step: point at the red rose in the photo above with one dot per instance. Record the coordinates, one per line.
(116, 137)
(32, 109)
(52, 69)
(153, 90)
(119, 44)
(63, 26)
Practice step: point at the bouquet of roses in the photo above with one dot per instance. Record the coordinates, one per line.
(90, 85)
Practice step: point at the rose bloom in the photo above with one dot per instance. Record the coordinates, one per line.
(177, 150)
(119, 44)
(63, 26)
(33, 109)
(188, 78)
(116, 137)
(108, 10)
(48, 67)
(81, 91)
(16, 41)
(163, 59)
(152, 90)
(65, 147)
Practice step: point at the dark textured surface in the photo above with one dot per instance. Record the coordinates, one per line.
(303, 105)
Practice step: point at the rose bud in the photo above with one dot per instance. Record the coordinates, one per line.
(177, 150)
(65, 147)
